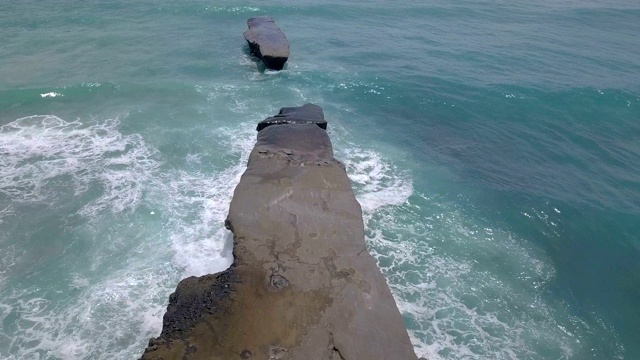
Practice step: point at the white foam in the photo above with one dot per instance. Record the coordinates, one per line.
(203, 246)
(91, 85)
(440, 267)
(199, 204)
(236, 98)
(377, 182)
(107, 320)
(38, 150)
(51, 94)
(6, 212)
(234, 9)
(136, 258)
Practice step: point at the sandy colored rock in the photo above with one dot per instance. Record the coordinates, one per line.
(302, 285)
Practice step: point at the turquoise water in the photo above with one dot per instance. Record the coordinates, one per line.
(493, 145)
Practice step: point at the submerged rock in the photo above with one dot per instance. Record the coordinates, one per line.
(302, 284)
(267, 42)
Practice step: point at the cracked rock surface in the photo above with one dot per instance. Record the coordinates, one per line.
(302, 284)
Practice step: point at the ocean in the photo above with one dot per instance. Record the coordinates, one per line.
(494, 147)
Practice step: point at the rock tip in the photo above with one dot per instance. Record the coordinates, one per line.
(306, 114)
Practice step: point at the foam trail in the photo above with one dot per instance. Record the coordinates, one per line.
(235, 9)
(41, 149)
(440, 267)
(6, 212)
(51, 94)
(377, 183)
(45, 156)
(204, 246)
(147, 229)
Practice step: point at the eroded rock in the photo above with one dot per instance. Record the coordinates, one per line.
(305, 114)
(267, 42)
(302, 284)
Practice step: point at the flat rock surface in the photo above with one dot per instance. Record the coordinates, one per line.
(267, 41)
(302, 285)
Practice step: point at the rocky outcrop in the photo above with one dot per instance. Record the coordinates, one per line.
(305, 114)
(302, 284)
(267, 42)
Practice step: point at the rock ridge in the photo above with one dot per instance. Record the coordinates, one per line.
(302, 284)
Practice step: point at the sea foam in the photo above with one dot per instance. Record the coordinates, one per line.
(38, 150)
(135, 258)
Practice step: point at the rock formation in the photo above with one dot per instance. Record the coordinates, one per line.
(302, 284)
(305, 114)
(267, 42)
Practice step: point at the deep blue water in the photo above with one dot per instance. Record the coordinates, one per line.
(493, 145)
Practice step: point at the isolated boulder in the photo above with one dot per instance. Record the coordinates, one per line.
(267, 42)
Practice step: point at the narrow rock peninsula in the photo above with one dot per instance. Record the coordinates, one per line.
(302, 284)
(267, 42)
